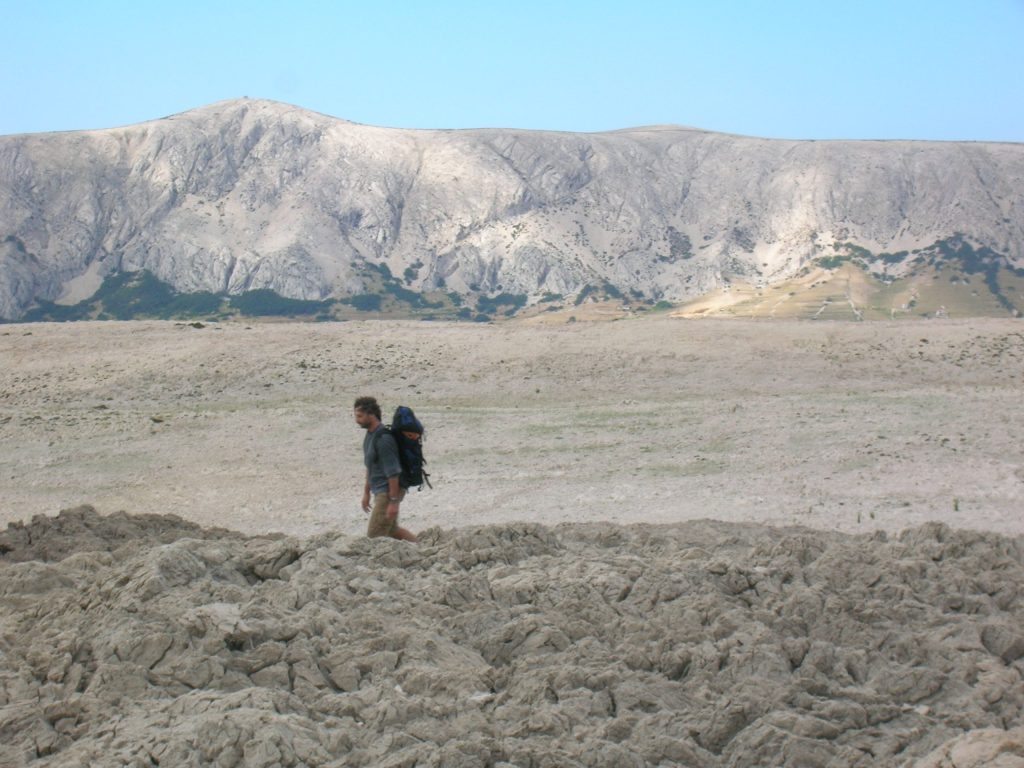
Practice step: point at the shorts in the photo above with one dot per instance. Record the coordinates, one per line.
(379, 523)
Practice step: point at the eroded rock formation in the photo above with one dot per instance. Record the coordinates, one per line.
(581, 645)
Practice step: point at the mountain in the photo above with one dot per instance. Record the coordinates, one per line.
(251, 195)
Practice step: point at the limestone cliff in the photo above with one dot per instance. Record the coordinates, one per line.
(253, 194)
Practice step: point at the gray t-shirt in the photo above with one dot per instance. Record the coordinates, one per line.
(380, 454)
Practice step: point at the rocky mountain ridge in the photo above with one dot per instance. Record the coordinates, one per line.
(246, 194)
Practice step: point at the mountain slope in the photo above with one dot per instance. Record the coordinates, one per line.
(245, 195)
(949, 279)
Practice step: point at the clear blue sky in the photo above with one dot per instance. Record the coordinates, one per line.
(914, 69)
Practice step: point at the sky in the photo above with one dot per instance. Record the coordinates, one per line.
(874, 69)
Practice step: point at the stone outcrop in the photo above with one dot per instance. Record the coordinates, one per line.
(249, 194)
(520, 645)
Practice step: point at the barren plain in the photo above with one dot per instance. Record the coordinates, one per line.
(651, 542)
(838, 426)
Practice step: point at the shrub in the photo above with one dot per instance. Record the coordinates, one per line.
(491, 305)
(192, 305)
(832, 262)
(48, 311)
(131, 294)
(412, 298)
(365, 302)
(611, 291)
(893, 258)
(264, 302)
(583, 294)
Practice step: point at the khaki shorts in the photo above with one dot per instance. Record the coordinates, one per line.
(379, 523)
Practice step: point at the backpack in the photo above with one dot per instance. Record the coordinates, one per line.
(409, 434)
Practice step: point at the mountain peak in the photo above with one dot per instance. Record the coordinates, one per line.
(249, 194)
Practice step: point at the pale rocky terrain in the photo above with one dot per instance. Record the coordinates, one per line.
(697, 644)
(852, 427)
(651, 542)
(251, 194)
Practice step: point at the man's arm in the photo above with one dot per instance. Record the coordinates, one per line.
(366, 493)
(387, 452)
(394, 497)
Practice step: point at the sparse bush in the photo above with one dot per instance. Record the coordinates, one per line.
(130, 295)
(611, 291)
(583, 294)
(412, 271)
(365, 302)
(264, 302)
(494, 304)
(192, 304)
(893, 258)
(855, 251)
(679, 245)
(47, 311)
(832, 262)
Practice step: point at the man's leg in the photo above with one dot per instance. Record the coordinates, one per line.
(403, 534)
(398, 532)
(379, 524)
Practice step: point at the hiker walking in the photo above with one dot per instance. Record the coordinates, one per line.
(383, 473)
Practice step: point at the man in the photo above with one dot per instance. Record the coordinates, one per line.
(383, 473)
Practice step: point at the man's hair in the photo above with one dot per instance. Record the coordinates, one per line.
(368, 405)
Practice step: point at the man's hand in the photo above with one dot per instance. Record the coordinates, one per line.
(366, 502)
(392, 511)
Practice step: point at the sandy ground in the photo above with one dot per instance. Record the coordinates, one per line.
(837, 426)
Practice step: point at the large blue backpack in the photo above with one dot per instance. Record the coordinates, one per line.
(409, 434)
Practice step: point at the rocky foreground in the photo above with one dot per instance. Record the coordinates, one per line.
(150, 641)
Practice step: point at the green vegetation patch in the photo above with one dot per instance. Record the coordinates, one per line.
(501, 302)
(679, 245)
(364, 302)
(832, 262)
(610, 291)
(854, 251)
(128, 296)
(47, 311)
(893, 258)
(583, 294)
(386, 293)
(958, 251)
(267, 303)
(412, 298)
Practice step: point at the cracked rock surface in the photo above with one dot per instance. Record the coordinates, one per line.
(150, 641)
